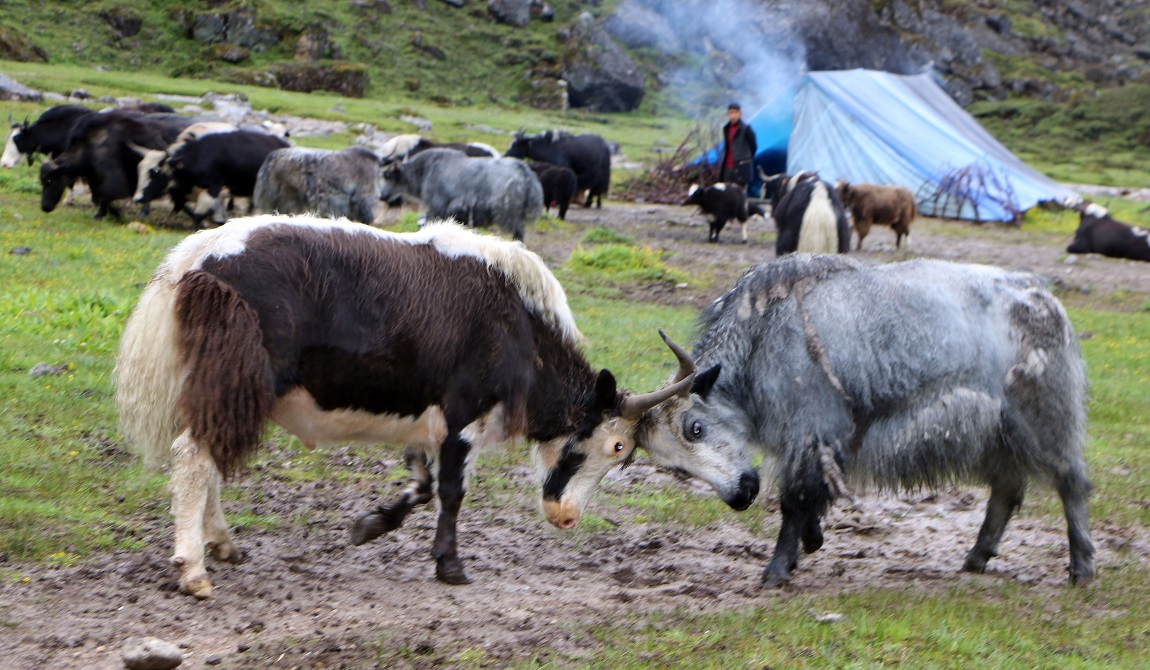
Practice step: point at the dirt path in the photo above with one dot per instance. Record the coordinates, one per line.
(307, 599)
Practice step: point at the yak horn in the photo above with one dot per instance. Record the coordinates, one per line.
(633, 407)
(143, 151)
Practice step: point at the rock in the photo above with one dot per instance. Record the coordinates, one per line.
(46, 370)
(350, 79)
(20, 251)
(230, 53)
(238, 26)
(519, 13)
(313, 45)
(600, 75)
(10, 89)
(15, 46)
(125, 21)
(375, 6)
(546, 93)
(150, 653)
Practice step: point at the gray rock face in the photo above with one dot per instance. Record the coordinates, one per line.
(151, 653)
(519, 13)
(600, 75)
(235, 27)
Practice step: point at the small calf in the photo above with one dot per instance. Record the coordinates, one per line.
(559, 186)
(872, 204)
(723, 202)
(1099, 233)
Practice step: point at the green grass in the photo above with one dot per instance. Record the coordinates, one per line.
(69, 488)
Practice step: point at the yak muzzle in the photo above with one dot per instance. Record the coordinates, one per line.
(746, 492)
(561, 514)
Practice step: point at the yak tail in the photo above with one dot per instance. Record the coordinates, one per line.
(192, 358)
(818, 233)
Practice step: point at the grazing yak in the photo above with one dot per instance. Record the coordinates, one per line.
(587, 155)
(211, 162)
(559, 186)
(502, 192)
(903, 375)
(1099, 233)
(100, 151)
(444, 341)
(153, 162)
(810, 218)
(871, 204)
(48, 135)
(327, 183)
(402, 147)
(722, 202)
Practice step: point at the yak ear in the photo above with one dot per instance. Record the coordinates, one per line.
(705, 380)
(606, 392)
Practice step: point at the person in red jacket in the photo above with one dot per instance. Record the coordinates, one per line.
(739, 147)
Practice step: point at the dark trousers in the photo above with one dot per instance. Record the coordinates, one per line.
(739, 174)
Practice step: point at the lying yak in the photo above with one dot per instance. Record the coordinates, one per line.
(444, 340)
(479, 192)
(871, 204)
(903, 375)
(317, 181)
(722, 203)
(1099, 233)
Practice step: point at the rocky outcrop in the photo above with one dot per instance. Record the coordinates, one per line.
(15, 46)
(600, 75)
(125, 22)
(519, 13)
(237, 26)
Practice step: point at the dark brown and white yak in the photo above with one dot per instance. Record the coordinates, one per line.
(1100, 233)
(444, 341)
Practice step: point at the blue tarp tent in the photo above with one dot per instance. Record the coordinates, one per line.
(882, 128)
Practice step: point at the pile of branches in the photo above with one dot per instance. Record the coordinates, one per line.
(669, 179)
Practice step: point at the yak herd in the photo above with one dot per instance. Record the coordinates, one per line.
(445, 341)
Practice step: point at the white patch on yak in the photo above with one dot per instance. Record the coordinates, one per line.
(486, 147)
(692, 190)
(818, 232)
(1096, 210)
(299, 414)
(12, 155)
(399, 146)
(720, 186)
(540, 291)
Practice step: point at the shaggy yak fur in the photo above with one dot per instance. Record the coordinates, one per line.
(478, 192)
(444, 341)
(811, 218)
(559, 186)
(326, 183)
(871, 204)
(904, 375)
(587, 155)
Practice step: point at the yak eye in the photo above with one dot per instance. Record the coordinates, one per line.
(696, 430)
(618, 447)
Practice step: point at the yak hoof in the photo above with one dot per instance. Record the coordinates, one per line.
(200, 587)
(774, 580)
(1082, 576)
(227, 552)
(373, 524)
(450, 571)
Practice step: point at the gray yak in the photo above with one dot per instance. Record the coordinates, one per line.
(904, 375)
(479, 192)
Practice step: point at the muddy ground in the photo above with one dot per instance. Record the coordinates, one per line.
(305, 598)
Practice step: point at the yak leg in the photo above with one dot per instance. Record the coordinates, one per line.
(1074, 489)
(452, 486)
(786, 556)
(812, 534)
(219, 539)
(193, 474)
(1006, 495)
(387, 518)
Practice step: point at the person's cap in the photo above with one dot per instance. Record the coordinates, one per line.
(734, 105)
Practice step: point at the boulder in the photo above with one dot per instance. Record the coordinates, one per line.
(230, 53)
(237, 26)
(349, 79)
(600, 75)
(546, 93)
(150, 653)
(10, 89)
(519, 13)
(125, 22)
